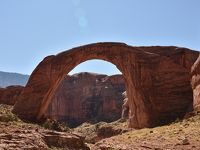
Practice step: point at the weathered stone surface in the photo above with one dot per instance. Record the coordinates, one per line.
(87, 97)
(96, 132)
(64, 140)
(9, 95)
(18, 135)
(15, 137)
(157, 80)
(196, 84)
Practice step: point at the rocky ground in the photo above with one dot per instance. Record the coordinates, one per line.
(181, 135)
(96, 132)
(16, 134)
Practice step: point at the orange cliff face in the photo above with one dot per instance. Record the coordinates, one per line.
(87, 97)
(10, 94)
(196, 84)
(157, 80)
(83, 97)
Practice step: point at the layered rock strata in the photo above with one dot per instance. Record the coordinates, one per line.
(10, 94)
(87, 97)
(157, 80)
(196, 84)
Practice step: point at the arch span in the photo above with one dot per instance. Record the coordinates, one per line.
(96, 66)
(157, 80)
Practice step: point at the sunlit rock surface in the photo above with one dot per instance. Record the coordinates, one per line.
(157, 80)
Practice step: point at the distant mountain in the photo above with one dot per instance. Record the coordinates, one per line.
(7, 79)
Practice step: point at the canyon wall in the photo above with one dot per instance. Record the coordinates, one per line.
(87, 97)
(196, 84)
(10, 94)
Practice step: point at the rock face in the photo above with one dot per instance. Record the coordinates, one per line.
(18, 135)
(10, 94)
(196, 84)
(64, 140)
(87, 97)
(157, 80)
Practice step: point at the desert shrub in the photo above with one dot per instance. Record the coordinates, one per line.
(98, 125)
(55, 125)
(8, 117)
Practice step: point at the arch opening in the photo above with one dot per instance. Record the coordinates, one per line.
(91, 92)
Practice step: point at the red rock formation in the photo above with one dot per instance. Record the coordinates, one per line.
(87, 97)
(196, 84)
(9, 95)
(157, 80)
(65, 140)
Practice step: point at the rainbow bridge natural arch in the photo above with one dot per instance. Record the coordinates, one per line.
(157, 80)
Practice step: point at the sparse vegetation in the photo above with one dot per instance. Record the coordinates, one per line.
(6, 115)
(55, 125)
(101, 130)
(182, 134)
(17, 134)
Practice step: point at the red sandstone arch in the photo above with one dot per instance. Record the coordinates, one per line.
(157, 80)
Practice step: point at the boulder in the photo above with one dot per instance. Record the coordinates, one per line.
(64, 140)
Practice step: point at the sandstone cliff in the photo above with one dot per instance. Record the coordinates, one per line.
(10, 94)
(87, 97)
(196, 84)
(157, 80)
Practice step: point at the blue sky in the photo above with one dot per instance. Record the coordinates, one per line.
(33, 29)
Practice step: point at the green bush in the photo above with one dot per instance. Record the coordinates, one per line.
(55, 125)
(9, 117)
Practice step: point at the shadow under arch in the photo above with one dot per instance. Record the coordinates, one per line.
(146, 71)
